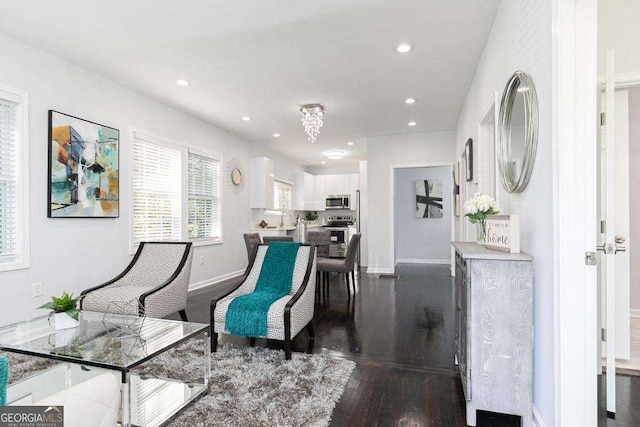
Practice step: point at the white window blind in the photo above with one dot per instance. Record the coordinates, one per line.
(157, 183)
(282, 195)
(204, 197)
(9, 202)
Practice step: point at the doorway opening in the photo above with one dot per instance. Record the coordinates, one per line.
(626, 186)
(423, 214)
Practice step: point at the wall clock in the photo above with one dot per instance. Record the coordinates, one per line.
(235, 176)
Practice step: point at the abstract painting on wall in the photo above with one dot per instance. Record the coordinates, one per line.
(83, 168)
(429, 198)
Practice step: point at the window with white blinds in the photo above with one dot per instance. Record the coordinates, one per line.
(282, 195)
(157, 182)
(176, 193)
(204, 197)
(13, 181)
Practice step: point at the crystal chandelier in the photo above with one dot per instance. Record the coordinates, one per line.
(312, 115)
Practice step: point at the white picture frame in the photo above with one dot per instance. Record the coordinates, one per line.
(503, 233)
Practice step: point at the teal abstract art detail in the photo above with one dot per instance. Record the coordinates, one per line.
(83, 168)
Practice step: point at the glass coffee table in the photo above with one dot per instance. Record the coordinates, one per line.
(116, 343)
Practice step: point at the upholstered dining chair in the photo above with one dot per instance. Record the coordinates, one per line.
(321, 240)
(286, 316)
(269, 239)
(251, 240)
(157, 277)
(345, 266)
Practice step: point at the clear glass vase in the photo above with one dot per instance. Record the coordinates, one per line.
(481, 232)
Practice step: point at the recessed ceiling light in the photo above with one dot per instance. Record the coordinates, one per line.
(350, 143)
(335, 154)
(323, 162)
(403, 48)
(246, 118)
(182, 82)
(412, 123)
(409, 101)
(276, 135)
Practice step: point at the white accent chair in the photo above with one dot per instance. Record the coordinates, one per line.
(288, 315)
(158, 277)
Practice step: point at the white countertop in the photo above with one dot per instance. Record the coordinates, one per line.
(270, 228)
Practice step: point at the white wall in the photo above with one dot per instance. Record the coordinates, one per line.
(618, 29)
(384, 152)
(521, 40)
(421, 240)
(73, 254)
(363, 184)
(634, 195)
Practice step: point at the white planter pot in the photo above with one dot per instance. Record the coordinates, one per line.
(62, 321)
(64, 337)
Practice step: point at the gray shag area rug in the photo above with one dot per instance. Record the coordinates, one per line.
(249, 386)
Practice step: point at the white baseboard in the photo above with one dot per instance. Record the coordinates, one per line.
(380, 271)
(538, 421)
(635, 312)
(213, 281)
(422, 261)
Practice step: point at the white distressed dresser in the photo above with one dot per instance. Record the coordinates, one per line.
(494, 330)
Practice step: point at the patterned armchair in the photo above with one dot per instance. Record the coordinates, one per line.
(288, 315)
(158, 277)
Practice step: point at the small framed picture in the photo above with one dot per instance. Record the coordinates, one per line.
(468, 152)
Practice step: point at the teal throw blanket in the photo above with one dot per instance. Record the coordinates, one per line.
(4, 379)
(247, 314)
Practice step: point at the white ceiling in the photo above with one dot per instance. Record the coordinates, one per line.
(264, 58)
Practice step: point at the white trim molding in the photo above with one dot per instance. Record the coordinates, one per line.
(215, 280)
(392, 205)
(380, 270)
(574, 145)
(422, 261)
(635, 312)
(538, 421)
(21, 259)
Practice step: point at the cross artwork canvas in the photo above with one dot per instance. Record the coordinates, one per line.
(429, 198)
(83, 168)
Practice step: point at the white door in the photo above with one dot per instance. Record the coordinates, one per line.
(615, 261)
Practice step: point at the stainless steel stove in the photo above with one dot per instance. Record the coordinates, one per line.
(338, 226)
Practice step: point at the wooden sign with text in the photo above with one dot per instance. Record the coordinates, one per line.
(503, 233)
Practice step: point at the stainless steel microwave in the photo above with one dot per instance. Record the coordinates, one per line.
(337, 202)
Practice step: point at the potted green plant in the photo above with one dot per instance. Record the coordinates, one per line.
(64, 311)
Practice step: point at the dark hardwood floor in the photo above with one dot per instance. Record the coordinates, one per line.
(400, 333)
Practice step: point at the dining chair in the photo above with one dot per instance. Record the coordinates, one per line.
(344, 266)
(269, 239)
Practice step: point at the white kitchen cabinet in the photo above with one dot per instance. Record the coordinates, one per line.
(338, 185)
(304, 191)
(333, 185)
(320, 192)
(262, 182)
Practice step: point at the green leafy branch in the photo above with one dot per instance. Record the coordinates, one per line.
(64, 304)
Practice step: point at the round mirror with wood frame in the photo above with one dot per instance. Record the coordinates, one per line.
(517, 132)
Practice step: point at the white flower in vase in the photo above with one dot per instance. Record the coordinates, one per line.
(477, 209)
